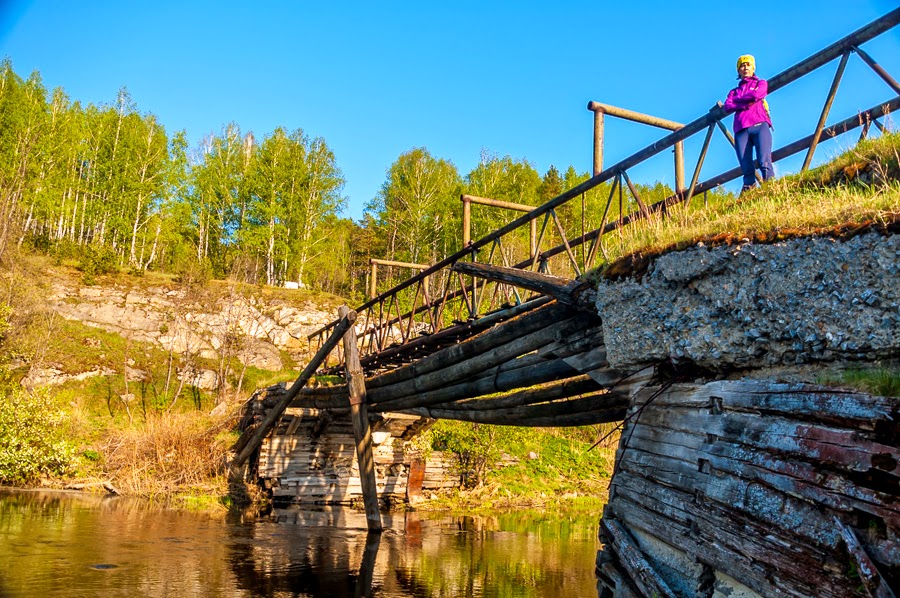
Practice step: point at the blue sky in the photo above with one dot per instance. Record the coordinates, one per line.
(378, 79)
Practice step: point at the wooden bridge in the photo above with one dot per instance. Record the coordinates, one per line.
(505, 330)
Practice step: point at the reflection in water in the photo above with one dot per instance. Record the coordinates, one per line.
(55, 544)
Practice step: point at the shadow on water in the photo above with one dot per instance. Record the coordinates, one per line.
(59, 544)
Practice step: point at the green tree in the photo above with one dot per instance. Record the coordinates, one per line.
(417, 211)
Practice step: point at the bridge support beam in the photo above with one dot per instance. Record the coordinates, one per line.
(359, 414)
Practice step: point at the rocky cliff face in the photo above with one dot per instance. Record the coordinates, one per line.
(797, 302)
(260, 329)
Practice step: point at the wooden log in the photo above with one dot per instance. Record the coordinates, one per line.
(556, 390)
(359, 414)
(466, 369)
(743, 550)
(826, 445)
(789, 474)
(479, 345)
(849, 409)
(570, 292)
(503, 381)
(584, 418)
(632, 559)
(518, 415)
(428, 344)
(584, 340)
(521, 363)
(800, 519)
(254, 439)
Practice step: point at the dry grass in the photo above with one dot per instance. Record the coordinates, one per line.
(169, 454)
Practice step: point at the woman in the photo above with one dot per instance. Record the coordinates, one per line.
(752, 124)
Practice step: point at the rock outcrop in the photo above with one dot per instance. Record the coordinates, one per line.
(257, 330)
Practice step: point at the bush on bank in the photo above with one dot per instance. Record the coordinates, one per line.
(33, 438)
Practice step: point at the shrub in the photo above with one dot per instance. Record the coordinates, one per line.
(32, 438)
(96, 261)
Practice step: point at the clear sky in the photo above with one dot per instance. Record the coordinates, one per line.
(376, 79)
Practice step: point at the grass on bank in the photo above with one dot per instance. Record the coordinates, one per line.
(862, 185)
(147, 435)
(504, 467)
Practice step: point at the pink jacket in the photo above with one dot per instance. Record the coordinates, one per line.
(746, 101)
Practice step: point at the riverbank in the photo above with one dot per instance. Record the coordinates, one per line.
(99, 387)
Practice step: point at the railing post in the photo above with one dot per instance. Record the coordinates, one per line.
(467, 221)
(679, 167)
(533, 238)
(373, 279)
(598, 141)
(825, 110)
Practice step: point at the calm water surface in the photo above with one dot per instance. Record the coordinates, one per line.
(54, 544)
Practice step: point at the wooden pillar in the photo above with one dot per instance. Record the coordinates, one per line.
(359, 414)
(598, 141)
(373, 279)
(679, 167)
(467, 221)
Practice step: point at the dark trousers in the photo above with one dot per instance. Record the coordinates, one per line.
(759, 137)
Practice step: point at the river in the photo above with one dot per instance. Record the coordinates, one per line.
(62, 544)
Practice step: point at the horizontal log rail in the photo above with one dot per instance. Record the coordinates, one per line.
(410, 312)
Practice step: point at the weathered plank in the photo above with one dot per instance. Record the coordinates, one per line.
(465, 369)
(641, 572)
(745, 548)
(803, 402)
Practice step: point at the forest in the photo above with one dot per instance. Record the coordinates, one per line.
(111, 188)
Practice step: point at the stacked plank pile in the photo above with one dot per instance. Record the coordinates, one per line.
(792, 489)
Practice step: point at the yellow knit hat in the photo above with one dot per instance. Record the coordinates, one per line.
(747, 58)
